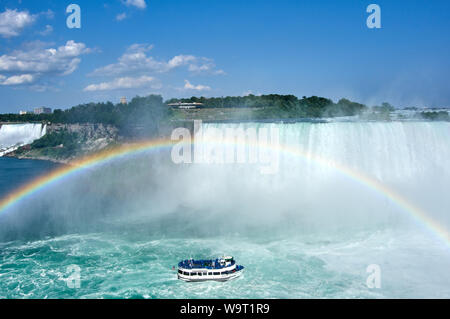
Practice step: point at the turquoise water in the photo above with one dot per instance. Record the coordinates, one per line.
(134, 259)
(132, 265)
(307, 232)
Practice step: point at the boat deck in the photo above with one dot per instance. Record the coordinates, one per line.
(203, 264)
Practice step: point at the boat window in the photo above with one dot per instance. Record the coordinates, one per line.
(199, 274)
(193, 274)
(179, 271)
(186, 273)
(210, 274)
(216, 273)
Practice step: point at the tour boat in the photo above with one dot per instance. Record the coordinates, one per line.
(221, 269)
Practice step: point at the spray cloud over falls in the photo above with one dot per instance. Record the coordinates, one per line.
(304, 196)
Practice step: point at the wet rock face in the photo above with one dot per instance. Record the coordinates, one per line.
(89, 131)
(92, 137)
(73, 141)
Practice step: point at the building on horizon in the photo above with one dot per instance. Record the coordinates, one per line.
(24, 112)
(42, 110)
(123, 100)
(180, 105)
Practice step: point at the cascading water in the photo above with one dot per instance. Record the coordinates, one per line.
(311, 229)
(325, 167)
(12, 136)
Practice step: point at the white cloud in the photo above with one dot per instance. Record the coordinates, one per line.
(206, 66)
(189, 86)
(136, 60)
(49, 14)
(27, 66)
(121, 16)
(48, 29)
(124, 83)
(16, 79)
(62, 60)
(180, 60)
(140, 4)
(12, 22)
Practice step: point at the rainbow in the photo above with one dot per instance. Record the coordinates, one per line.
(76, 166)
(105, 156)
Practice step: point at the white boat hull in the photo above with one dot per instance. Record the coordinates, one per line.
(210, 278)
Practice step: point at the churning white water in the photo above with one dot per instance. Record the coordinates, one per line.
(410, 158)
(12, 136)
(310, 229)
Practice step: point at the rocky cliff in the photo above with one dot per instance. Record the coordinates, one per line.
(65, 142)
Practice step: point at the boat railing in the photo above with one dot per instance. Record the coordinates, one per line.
(192, 264)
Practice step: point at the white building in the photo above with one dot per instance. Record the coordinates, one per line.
(180, 105)
(42, 110)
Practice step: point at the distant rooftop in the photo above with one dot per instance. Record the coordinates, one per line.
(42, 110)
(181, 105)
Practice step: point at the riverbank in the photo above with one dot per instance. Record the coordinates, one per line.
(31, 156)
(65, 142)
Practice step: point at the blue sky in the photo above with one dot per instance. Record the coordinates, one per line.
(215, 48)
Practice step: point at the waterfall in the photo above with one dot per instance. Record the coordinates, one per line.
(13, 136)
(410, 158)
(387, 151)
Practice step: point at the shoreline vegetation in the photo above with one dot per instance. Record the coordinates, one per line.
(87, 128)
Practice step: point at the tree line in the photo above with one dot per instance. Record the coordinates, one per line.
(146, 113)
(281, 106)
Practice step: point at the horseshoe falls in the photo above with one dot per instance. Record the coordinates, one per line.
(349, 202)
